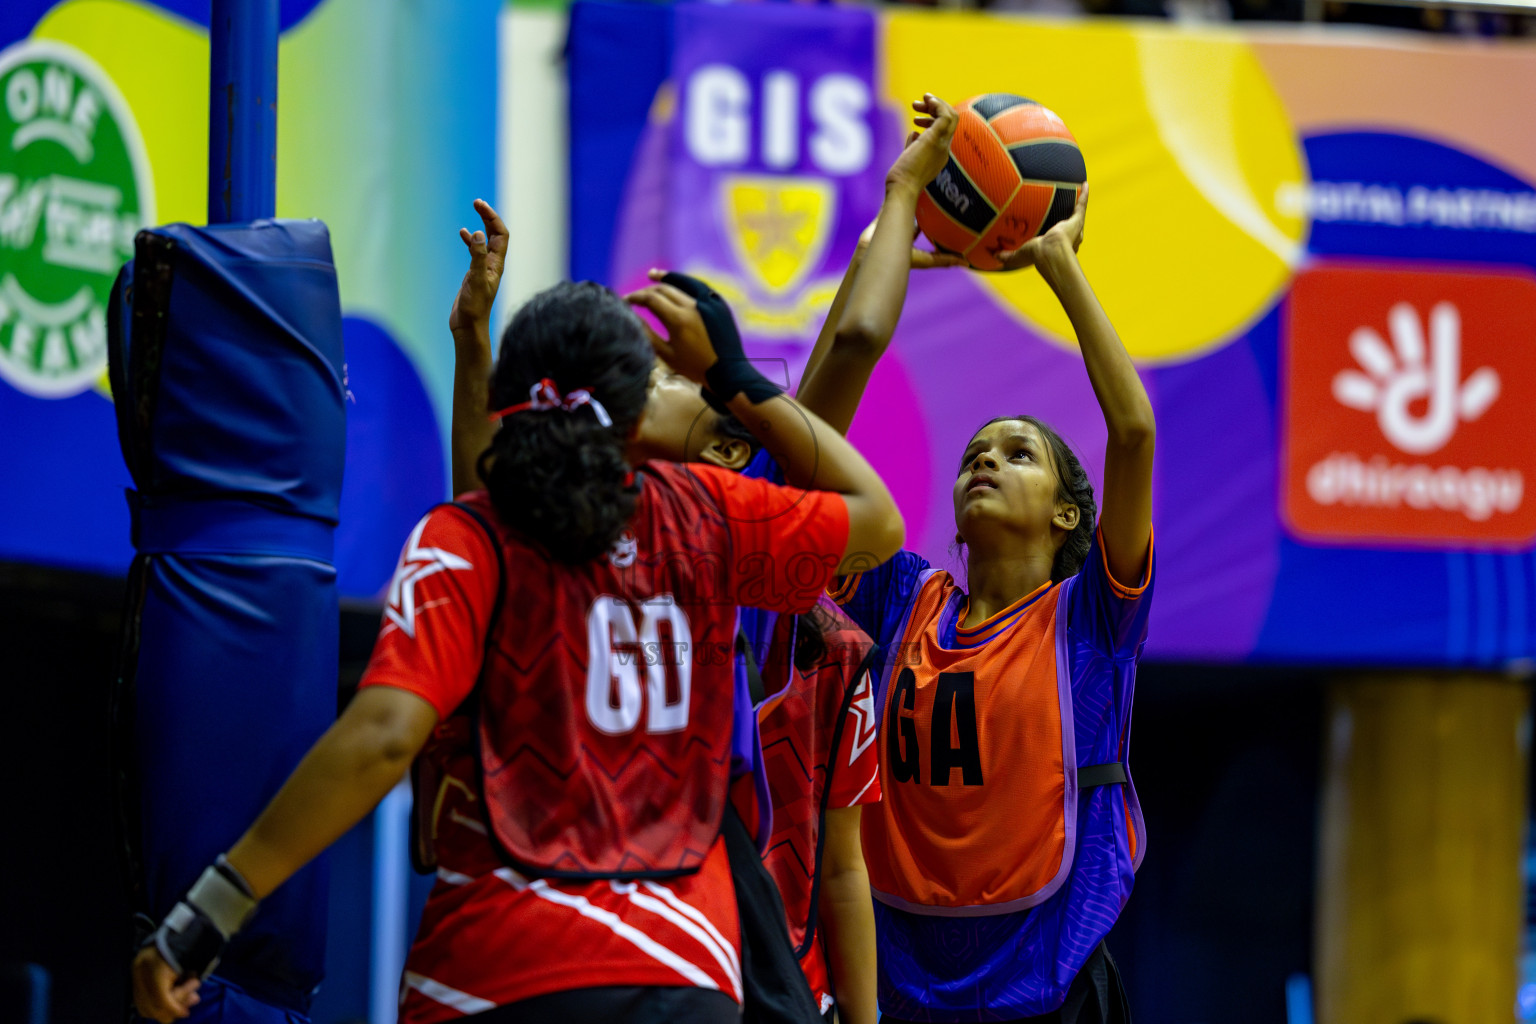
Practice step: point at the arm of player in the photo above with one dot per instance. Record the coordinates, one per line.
(344, 776)
(861, 330)
(470, 322)
(849, 917)
(1125, 508)
(814, 456)
(828, 332)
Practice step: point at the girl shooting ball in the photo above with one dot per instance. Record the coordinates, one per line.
(1006, 840)
(575, 882)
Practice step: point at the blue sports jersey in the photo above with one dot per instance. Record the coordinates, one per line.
(757, 626)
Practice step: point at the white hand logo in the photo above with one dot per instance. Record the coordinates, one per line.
(1395, 380)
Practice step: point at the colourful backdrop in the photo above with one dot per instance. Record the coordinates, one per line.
(1318, 249)
(386, 131)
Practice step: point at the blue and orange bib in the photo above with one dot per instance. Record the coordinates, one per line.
(1009, 832)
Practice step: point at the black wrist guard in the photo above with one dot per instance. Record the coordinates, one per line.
(732, 373)
(193, 935)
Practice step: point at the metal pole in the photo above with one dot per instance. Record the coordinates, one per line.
(242, 111)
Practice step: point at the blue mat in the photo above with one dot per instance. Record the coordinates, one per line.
(227, 375)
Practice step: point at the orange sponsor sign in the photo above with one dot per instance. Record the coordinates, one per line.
(1407, 400)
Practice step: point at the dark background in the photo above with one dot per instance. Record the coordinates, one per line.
(1225, 759)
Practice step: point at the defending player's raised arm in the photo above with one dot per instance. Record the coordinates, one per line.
(702, 344)
(864, 316)
(470, 322)
(1125, 509)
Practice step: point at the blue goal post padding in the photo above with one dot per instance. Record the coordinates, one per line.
(227, 375)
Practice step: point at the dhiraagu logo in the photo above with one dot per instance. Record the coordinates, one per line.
(75, 187)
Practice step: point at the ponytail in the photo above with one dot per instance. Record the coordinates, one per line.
(558, 475)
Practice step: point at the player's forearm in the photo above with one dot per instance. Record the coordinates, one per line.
(816, 457)
(344, 776)
(829, 325)
(835, 385)
(849, 919)
(813, 455)
(1122, 397)
(471, 430)
(875, 301)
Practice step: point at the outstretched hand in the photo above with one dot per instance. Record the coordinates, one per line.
(487, 260)
(1063, 237)
(157, 994)
(686, 347)
(921, 259)
(926, 151)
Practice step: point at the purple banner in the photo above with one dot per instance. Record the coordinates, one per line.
(763, 162)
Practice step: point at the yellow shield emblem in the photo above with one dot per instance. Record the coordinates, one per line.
(778, 226)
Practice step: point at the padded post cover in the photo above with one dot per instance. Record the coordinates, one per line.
(226, 369)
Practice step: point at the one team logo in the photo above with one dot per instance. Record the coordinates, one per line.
(75, 187)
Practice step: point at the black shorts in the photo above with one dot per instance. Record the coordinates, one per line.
(1096, 997)
(618, 1004)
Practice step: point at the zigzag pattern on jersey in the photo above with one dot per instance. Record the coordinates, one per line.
(794, 731)
(801, 734)
(793, 785)
(563, 798)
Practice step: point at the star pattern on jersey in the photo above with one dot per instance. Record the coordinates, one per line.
(416, 564)
(861, 712)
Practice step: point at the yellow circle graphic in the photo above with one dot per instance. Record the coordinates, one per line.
(1187, 145)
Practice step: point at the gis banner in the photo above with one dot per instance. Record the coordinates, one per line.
(1321, 254)
(759, 168)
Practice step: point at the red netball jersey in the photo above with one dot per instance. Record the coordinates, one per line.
(600, 727)
(818, 742)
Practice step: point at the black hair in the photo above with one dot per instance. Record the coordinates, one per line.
(810, 642)
(1072, 487)
(557, 476)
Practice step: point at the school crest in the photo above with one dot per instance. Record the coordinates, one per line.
(778, 227)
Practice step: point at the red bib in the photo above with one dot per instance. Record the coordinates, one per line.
(604, 710)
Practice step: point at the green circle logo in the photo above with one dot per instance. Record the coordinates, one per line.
(74, 189)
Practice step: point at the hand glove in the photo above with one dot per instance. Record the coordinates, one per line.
(733, 374)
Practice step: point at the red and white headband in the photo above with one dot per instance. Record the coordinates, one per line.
(545, 395)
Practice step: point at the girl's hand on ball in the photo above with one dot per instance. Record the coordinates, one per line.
(926, 152)
(922, 259)
(686, 348)
(1060, 242)
(487, 259)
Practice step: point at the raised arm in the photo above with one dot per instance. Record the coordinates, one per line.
(868, 305)
(470, 322)
(814, 456)
(1125, 507)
